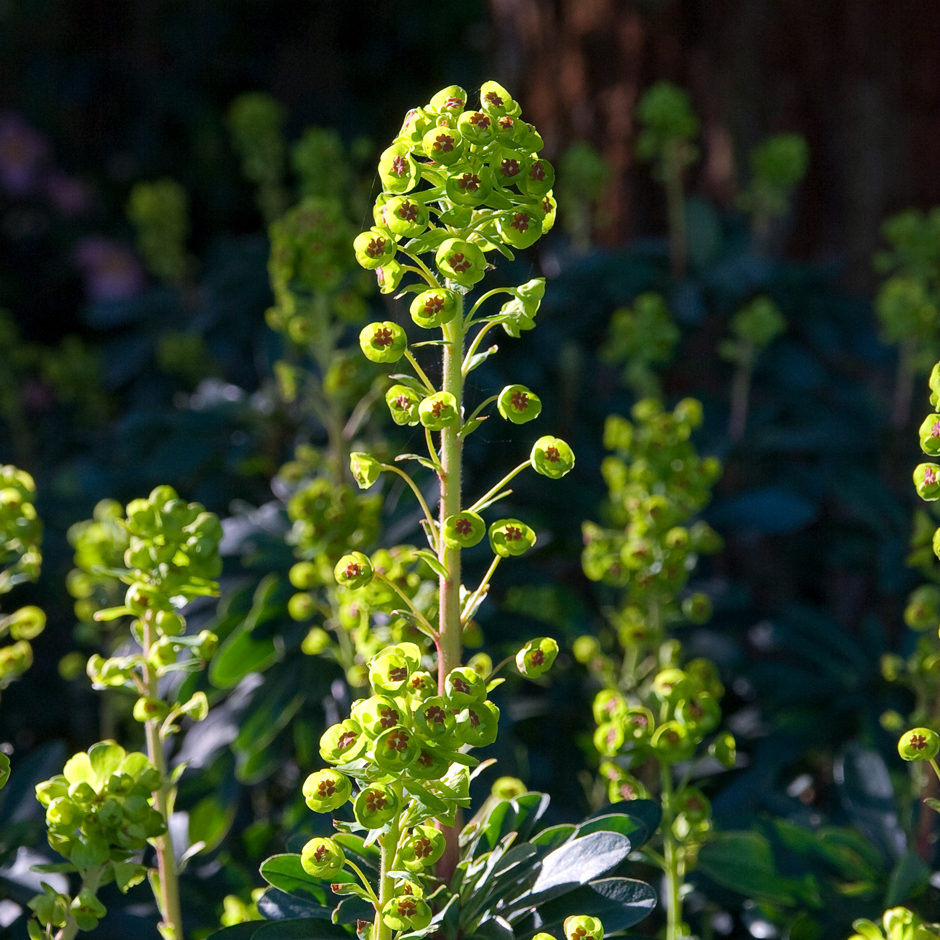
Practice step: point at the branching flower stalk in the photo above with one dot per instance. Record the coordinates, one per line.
(458, 183)
(107, 804)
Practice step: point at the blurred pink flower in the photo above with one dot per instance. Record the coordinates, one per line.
(23, 150)
(111, 270)
(67, 194)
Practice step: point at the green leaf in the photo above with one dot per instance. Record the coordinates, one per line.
(421, 460)
(579, 861)
(128, 874)
(286, 873)
(743, 862)
(240, 653)
(554, 835)
(90, 852)
(349, 911)
(112, 613)
(306, 928)
(618, 902)
(279, 905)
(932, 803)
(477, 359)
(105, 758)
(210, 820)
(64, 867)
(428, 556)
(909, 878)
(403, 378)
(430, 342)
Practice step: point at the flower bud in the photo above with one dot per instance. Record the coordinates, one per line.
(326, 790)
(923, 608)
(354, 570)
(383, 342)
(700, 714)
(439, 411)
(207, 645)
(511, 537)
(583, 927)
(406, 913)
(463, 530)
(432, 308)
(375, 806)
(919, 744)
(724, 749)
(365, 469)
(403, 404)
(375, 247)
(27, 623)
(150, 709)
(169, 622)
(552, 457)
(536, 657)
(697, 608)
(672, 742)
(461, 261)
(304, 575)
(315, 642)
(518, 404)
(322, 858)
(423, 848)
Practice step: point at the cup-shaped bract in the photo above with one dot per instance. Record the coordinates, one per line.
(376, 805)
(403, 404)
(326, 790)
(552, 457)
(511, 537)
(433, 308)
(322, 858)
(463, 529)
(536, 657)
(365, 469)
(919, 744)
(518, 404)
(383, 342)
(439, 411)
(354, 570)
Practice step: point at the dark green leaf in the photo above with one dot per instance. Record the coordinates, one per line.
(352, 910)
(286, 872)
(306, 928)
(275, 904)
(579, 861)
(431, 559)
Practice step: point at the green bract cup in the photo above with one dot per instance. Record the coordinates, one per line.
(536, 657)
(469, 186)
(374, 248)
(423, 848)
(406, 913)
(919, 744)
(322, 858)
(476, 127)
(460, 261)
(450, 100)
(496, 101)
(354, 570)
(552, 457)
(326, 790)
(927, 481)
(434, 719)
(365, 469)
(443, 145)
(439, 411)
(383, 342)
(511, 537)
(403, 404)
(377, 714)
(464, 686)
(478, 724)
(432, 308)
(405, 215)
(608, 739)
(930, 435)
(538, 177)
(343, 742)
(518, 404)
(389, 276)
(463, 530)
(396, 748)
(520, 226)
(375, 806)
(398, 169)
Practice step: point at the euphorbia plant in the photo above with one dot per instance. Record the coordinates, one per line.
(457, 184)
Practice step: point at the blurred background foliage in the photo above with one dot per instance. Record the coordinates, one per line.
(146, 148)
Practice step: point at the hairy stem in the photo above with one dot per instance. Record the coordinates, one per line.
(674, 863)
(169, 899)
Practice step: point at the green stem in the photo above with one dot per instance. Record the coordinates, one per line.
(674, 868)
(482, 586)
(428, 384)
(451, 457)
(414, 488)
(474, 346)
(169, 899)
(486, 296)
(428, 629)
(388, 845)
(493, 490)
(364, 880)
(479, 408)
(422, 268)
